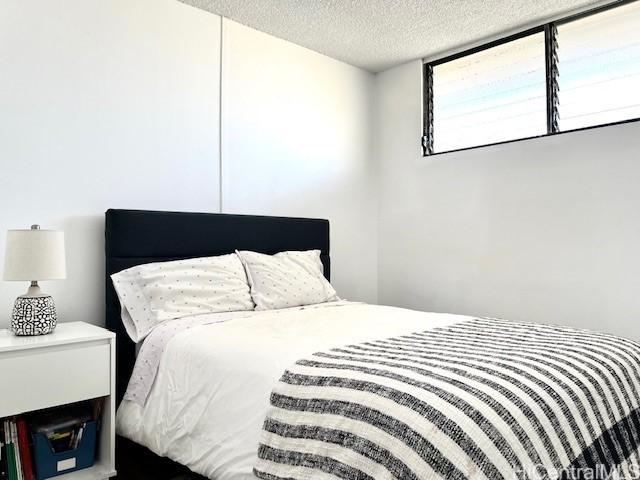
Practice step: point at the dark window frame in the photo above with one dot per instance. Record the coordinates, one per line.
(551, 78)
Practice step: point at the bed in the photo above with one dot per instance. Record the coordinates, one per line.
(349, 390)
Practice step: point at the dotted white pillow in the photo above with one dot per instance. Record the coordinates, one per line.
(287, 279)
(156, 292)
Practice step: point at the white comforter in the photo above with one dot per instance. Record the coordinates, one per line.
(211, 392)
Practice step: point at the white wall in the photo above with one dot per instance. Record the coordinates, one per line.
(103, 104)
(115, 104)
(543, 230)
(296, 141)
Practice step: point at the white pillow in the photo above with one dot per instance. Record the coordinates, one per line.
(286, 279)
(156, 292)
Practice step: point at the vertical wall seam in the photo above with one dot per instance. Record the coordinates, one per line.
(220, 171)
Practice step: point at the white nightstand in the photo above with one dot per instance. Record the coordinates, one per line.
(76, 362)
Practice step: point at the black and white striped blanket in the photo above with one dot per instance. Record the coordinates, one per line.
(483, 399)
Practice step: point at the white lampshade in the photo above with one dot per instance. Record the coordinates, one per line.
(34, 255)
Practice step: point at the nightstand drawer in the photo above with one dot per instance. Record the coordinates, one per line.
(51, 376)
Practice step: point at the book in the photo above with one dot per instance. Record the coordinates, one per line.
(4, 473)
(15, 454)
(78, 438)
(16, 451)
(25, 452)
(13, 475)
(11, 472)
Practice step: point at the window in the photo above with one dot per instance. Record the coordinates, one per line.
(599, 64)
(575, 73)
(491, 96)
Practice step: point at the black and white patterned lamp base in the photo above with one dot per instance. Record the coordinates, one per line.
(34, 315)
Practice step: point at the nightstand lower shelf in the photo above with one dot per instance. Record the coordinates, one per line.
(97, 472)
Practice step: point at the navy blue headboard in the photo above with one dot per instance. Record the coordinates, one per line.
(134, 237)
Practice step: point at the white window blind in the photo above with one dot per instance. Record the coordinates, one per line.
(491, 96)
(599, 68)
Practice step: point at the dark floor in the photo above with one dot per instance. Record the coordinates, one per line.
(134, 462)
(147, 476)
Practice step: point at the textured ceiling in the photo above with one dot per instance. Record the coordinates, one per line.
(377, 34)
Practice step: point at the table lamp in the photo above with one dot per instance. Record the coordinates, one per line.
(33, 255)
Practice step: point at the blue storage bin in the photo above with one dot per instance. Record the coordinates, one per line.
(50, 464)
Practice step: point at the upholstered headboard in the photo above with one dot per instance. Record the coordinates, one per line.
(134, 237)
